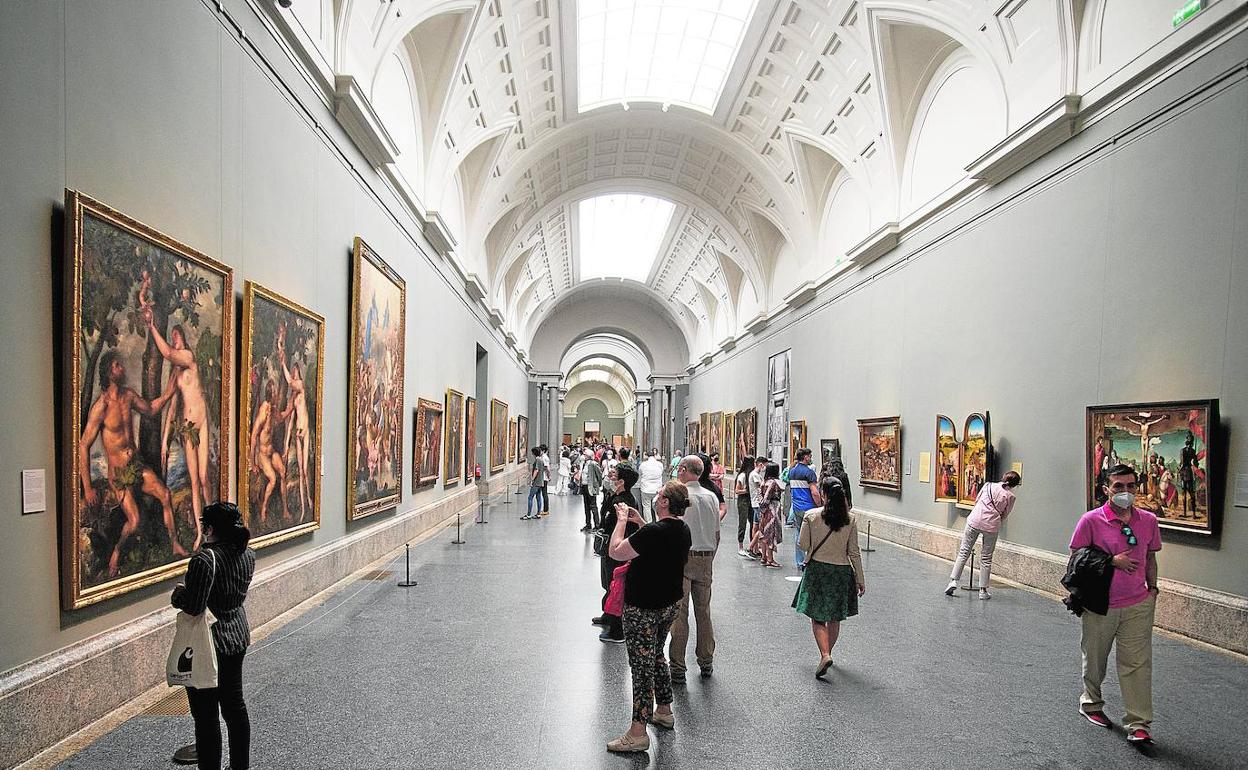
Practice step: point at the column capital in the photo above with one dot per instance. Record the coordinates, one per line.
(667, 380)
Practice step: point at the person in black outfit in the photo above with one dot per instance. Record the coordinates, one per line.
(619, 489)
(217, 578)
(652, 593)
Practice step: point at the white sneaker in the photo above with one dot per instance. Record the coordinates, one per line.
(952, 588)
(984, 595)
(743, 552)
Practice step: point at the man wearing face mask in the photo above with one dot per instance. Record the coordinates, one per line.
(1132, 536)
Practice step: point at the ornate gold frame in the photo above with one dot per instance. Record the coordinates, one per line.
(76, 206)
(251, 290)
(424, 407)
(522, 431)
(870, 424)
(495, 405)
(449, 479)
(470, 439)
(799, 444)
(359, 252)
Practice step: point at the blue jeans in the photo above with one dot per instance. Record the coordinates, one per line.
(799, 556)
(535, 493)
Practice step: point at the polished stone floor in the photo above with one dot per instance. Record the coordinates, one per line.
(491, 662)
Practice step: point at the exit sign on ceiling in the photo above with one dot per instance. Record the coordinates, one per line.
(1188, 11)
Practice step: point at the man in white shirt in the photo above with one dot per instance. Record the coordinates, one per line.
(649, 482)
(702, 518)
(755, 483)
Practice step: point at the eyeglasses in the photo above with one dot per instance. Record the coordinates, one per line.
(1126, 530)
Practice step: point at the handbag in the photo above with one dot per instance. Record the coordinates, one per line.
(615, 594)
(192, 660)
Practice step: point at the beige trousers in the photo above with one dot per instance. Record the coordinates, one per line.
(1131, 628)
(697, 586)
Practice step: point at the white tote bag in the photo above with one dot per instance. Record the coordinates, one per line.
(193, 657)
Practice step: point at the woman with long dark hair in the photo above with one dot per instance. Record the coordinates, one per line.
(833, 579)
(217, 578)
(769, 530)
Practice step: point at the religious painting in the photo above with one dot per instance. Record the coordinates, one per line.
(715, 439)
(948, 461)
(879, 452)
(976, 460)
(778, 373)
(375, 420)
(692, 436)
(426, 443)
(453, 465)
(797, 438)
(279, 432)
(522, 439)
(729, 456)
(1173, 447)
(499, 434)
(470, 439)
(617, 440)
(704, 431)
(567, 439)
(746, 425)
(145, 404)
(829, 451)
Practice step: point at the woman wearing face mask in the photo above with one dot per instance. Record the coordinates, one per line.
(217, 578)
(992, 506)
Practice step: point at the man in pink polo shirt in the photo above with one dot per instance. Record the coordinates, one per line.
(1132, 536)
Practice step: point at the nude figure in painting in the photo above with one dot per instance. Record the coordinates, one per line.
(194, 429)
(300, 431)
(111, 419)
(266, 460)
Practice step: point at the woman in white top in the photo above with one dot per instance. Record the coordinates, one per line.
(565, 473)
(992, 506)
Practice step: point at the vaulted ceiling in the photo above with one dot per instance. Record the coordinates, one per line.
(840, 124)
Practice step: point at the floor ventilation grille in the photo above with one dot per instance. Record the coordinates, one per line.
(172, 705)
(377, 575)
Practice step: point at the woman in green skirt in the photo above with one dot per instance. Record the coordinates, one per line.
(833, 579)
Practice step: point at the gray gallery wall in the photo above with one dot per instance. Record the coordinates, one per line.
(190, 134)
(1121, 278)
(589, 410)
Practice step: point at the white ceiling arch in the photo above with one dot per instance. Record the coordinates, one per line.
(819, 94)
(615, 347)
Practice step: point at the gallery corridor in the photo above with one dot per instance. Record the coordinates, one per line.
(491, 662)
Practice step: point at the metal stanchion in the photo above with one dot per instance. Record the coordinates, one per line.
(970, 578)
(459, 540)
(868, 549)
(506, 498)
(408, 583)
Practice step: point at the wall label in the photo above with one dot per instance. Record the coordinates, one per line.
(1241, 490)
(925, 467)
(34, 491)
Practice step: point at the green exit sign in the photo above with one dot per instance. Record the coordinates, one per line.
(1188, 11)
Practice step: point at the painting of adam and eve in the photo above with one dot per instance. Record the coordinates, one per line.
(746, 427)
(375, 434)
(1170, 446)
(148, 331)
(962, 467)
(279, 459)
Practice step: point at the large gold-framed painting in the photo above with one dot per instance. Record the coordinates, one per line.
(879, 453)
(426, 443)
(454, 444)
(279, 431)
(1173, 446)
(704, 431)
(746, 424)
(146, 401)
(715, 439)
(976, 459)
(693, 433)
(375, 424)
(470, 439)
(729, 455)
(797, 438)
(522, 439)
(499, 425)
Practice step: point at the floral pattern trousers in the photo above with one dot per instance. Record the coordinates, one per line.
(645, 634)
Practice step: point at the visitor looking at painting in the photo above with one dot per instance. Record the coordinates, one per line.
(992, 505)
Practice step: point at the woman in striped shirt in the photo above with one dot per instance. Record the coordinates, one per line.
(217, 578)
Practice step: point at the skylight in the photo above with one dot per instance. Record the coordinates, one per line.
(670, 51)
(620, 235)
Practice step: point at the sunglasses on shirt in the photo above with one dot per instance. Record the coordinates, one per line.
(1126, 530)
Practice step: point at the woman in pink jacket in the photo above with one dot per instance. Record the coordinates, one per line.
(992, 506)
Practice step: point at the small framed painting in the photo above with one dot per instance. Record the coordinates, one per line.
(879, 453)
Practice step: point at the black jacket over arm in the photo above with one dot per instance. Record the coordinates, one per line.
(1088, 574)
